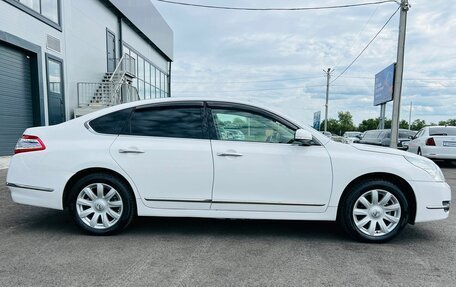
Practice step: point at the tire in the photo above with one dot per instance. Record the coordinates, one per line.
(106, 210)
(356, 219)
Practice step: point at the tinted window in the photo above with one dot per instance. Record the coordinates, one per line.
(442, 131)
(406, 134)
(112, 123)
(175, 122)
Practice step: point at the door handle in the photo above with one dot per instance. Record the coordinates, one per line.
(234, 154)
(130, 150)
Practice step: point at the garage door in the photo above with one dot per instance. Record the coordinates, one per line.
(16, 110)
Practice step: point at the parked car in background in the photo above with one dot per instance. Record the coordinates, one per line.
(328, 134)
(352, 137)
(383, 138)
(436, 142)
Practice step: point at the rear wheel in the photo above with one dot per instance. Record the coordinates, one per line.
(101, 204)
(374, 211)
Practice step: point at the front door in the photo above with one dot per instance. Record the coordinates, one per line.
(111, 50)
(56, 100)
(168, 156)
(259, 168)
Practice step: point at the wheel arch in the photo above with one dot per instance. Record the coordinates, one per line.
(88, 171)
(399, 181)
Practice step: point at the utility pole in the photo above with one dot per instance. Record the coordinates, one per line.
(399, 74)
(410, 116)
(328, 77)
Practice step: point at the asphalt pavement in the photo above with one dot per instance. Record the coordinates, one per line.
(41, 247)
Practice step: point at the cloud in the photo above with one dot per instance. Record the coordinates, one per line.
(233, 54)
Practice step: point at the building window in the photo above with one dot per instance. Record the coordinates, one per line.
(151, 82)
(50, 10)
(47, 8)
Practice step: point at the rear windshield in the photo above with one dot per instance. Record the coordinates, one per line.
(406, 134)
(449, 131)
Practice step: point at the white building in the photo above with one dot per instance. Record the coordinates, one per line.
(62, 58)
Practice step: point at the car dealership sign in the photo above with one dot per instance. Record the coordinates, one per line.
(384, 84)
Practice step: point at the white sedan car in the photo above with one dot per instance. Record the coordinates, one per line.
(168, 158)
(435, 142)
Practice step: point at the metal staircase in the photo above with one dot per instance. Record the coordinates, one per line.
(115, 88)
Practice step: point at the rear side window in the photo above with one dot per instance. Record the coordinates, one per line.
(174, 122)
(112, 123)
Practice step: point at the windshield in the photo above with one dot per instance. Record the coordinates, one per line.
(351, 134)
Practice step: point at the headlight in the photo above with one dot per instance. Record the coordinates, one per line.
(427, 165)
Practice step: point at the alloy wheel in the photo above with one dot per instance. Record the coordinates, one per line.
(99, 205)
(377, 212)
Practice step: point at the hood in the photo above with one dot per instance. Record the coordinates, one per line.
(380, 149)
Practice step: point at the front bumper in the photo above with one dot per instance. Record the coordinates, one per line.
(432, 200)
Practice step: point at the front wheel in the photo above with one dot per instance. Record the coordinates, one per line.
(101, 204)
(374, 211)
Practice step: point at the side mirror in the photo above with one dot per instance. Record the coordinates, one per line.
(411, 137)
(303, 136)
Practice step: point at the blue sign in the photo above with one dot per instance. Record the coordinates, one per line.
(384, 85)
(316, 121)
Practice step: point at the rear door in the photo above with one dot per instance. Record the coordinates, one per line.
(166, 151)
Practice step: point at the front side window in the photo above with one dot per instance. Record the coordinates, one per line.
(175, 122)
(238, 125)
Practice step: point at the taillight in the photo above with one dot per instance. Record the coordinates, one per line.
(29, 143)
(430, 142)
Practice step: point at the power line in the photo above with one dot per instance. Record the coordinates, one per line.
(296, 87)
(367, 46)
(275, 9)
(302, 78)
(244, 82)
(357, 37)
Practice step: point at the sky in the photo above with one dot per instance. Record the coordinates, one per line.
(277, 58)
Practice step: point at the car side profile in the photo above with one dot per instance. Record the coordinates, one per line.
(436, 142)
(174, 158)
(383, 138)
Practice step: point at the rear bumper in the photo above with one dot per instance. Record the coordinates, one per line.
(32, 183)
(432, 200)
(439, 152)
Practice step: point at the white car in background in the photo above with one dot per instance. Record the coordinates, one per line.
(435, 142)
(168, 157)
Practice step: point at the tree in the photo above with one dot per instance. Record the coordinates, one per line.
(345, 122)
(450, 122)
(369, 124)
(418, 124)
(333, 126)
(403, 124)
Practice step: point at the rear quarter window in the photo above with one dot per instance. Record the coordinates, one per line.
(112, 123)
